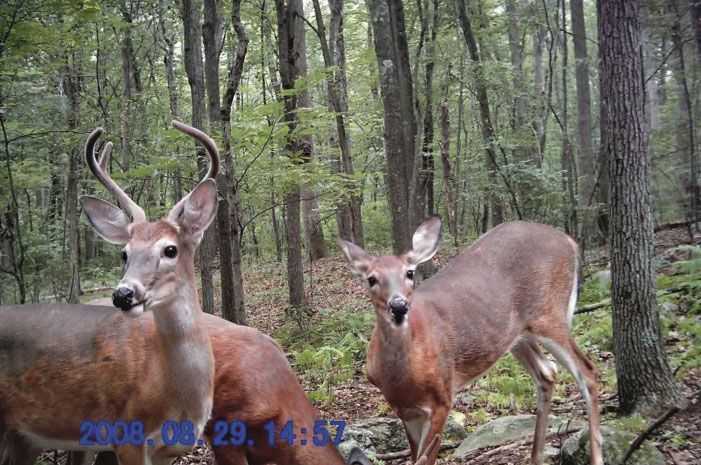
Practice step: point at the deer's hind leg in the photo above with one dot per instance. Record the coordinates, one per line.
(543, 372)
(565, 350)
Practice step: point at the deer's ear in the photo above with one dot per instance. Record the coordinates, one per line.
(108, 220)
(197, 211)
(424, 244)
(358, 259)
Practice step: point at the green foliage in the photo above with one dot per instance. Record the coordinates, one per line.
(330, 351)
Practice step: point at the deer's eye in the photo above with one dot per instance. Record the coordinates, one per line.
(372, 281)
(410, 274)
(124, 256)
(171, 251)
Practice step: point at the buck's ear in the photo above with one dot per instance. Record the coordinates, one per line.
(197, 211)
(108, 220)
(358, 259)
(424, 244)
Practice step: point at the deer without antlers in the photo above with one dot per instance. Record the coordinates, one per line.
(512, 290)
(61, 365)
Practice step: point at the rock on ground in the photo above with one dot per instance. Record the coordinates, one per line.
(575, 450)
(508, 429)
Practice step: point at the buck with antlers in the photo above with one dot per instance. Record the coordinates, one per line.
(513, 289)
(63, 365)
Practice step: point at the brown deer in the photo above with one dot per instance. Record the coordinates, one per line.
(512, 290)
(61, 365)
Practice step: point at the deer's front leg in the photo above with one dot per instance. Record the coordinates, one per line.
(434, 428)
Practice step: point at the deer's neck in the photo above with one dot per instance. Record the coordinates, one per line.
(187, 350)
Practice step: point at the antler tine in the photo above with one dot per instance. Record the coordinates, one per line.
(213, 153)
(208, 143)
(125, 202)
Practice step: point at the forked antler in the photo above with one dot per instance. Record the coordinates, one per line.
(433, 446)
(98, 169)
(213, 153)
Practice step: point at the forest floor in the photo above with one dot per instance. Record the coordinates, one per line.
(341, 318)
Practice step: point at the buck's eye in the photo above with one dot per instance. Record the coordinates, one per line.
(372, 281)
(410, 274)
(124, 256)
(171, 251)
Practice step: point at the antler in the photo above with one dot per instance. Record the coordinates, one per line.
(432, 447)
(213, 153)
(98, 169)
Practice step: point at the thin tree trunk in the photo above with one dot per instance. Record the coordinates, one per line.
(645, 381)
(71, 84)
(349, 219)
(289, 23)
(686, 114)
(497, 207)
(228, 215)
(449, 187)
(587, 163)
(194, 68)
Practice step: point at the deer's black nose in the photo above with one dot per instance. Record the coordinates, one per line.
(123, 298)
(399, 308)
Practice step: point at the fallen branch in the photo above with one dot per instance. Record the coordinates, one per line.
(635, 445)
(606, 302)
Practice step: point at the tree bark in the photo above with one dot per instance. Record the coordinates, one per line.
(400, 130)
(348, 213)
(686, 140)
(645, 381)
(194, 68)
(449, 181)
(289, 24)
(587, 163)
(488, 135)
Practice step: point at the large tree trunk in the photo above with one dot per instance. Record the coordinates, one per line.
(392, 52)
(71, 85)
(290, 25)
(497, 207)
(194, 68)
(587, 163)
(645, 381)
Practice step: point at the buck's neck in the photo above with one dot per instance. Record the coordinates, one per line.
(187, 350)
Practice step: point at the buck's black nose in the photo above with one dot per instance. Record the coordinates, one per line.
(123, 298)
(399, 307)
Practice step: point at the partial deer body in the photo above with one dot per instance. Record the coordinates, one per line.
(61, 365)
(511, 291)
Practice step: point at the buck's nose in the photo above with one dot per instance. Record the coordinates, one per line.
(123, 297)
(399, 307)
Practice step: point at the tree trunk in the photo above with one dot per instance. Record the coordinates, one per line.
(426, 176)
(289, 23)
(194, 68)
(449, 187)
(497, 207)
(645, 381)
(392, 52)
(587, 164)
(348, 215)
(71, 85)
(229, 207)
(686, 140)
